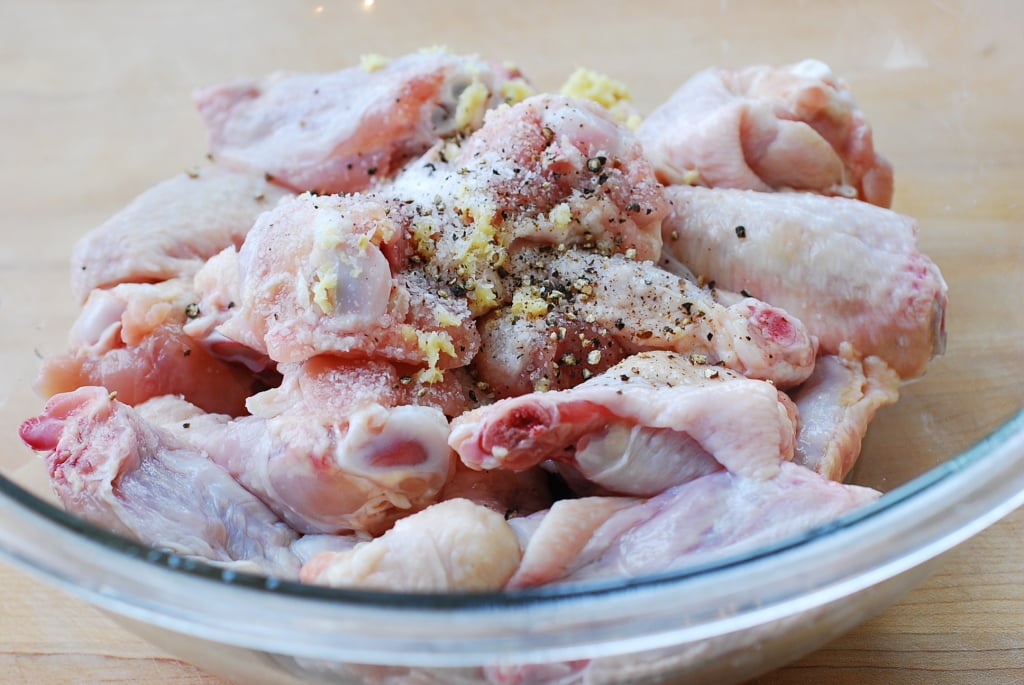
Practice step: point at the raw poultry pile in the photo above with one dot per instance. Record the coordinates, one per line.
(416, 327)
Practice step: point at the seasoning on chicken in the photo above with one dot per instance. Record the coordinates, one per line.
(342, 131)
(767, 128)
(314, 277)
(549, 151)
(650, 422)
(520, 354)
(612, 306)
(850, 271)
(111, 467)
(171, 229)
(549, 170)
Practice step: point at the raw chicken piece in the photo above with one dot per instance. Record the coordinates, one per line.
(552, 540)
(323, 452)
(518, 354)
(567, 165)
(397, 275)
(620, 306)
(130, 340)
(707, 518)
(184, 421)
(339, 132)
(836, 404)
(111, 467)
(310, 546)
(378, 465)
(452, 545)
(511, 493)
(217, 287)
(548, 170)
(314, 278)
(768, 128)
(329, 387)
(850, 271)
(171, 229)
(650, 422)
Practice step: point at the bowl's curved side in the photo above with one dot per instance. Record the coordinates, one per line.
(900, 532)
(723, 660)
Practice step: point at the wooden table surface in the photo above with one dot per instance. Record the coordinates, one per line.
(94, 108)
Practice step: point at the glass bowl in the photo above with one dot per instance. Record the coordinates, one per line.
(98, 104)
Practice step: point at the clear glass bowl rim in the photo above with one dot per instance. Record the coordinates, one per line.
(935, 511)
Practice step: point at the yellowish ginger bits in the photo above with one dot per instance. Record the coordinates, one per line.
(445, 318)
(469, 111)
(605, 91)
(482, 248)
(560, 215)
(424, 232)
(515, 90)
(325, 287)
(482, 298)
(591, 85)
(484, 245)
(372, 62)
(528, 303)
(430, 376)
(435, 343)
(431, 344)
(481, 251)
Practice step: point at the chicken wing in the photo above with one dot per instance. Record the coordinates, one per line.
(113, 468)
(131, 339)
(574, 313)
(650, 422)
(339, 132)
(850, 271)
(718, 514)
(171, 229)
(768, 128)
